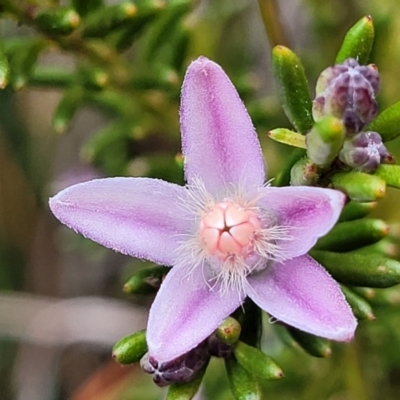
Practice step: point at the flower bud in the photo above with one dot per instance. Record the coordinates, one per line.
(364, 152)
(182, 369)
(304, 173)
(229, 331)
(324, 140)
(347, 91)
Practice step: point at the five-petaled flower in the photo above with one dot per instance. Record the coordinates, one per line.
(226, 233)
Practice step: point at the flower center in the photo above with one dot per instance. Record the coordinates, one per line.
(229, 230)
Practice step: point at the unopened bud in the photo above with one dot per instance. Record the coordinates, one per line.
(181, 369)
(347, 91)
(229, 331)
(325, 140)
(364, 152)
(304, 173)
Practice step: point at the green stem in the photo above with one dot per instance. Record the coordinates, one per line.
(354, 380)
(273, 25)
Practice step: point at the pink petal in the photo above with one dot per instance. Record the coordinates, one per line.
(302, 294)
(219, 142)
(186, 311)
(136, 216)
(307, 212)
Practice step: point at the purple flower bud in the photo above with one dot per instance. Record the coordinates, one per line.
(347, 91)
(182, 369)
(364, 152)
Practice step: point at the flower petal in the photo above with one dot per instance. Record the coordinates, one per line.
(186, 311)
(307, 212)
(301, 293)
(219, 142)
(140, 217)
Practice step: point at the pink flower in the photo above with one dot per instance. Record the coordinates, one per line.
(227, 234)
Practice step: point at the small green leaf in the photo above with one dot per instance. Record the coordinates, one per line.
(325, 140)
(313, 345)
(243, 384)
(359, 269)
(106, 19)
(361, 308)
(355, 210)
(67, 107)
(4, 67)
(85, 7)
(52, 77)
(163, 31)
(390, 174)
(288, 137)
(57, 20)
(145, 281)
(358, 42)
(351, 235)
(256, 362)
(130, 349)
(387, 123)
(292, 88)
(359, 186)
(22, 55)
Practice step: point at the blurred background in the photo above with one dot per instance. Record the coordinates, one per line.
(96, 93)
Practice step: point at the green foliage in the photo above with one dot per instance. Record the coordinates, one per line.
(292, 88)
(387, 123)
(130, 349)
(358, 42)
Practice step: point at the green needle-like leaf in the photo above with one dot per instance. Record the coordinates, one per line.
(360, 186)
(390, 174)
(292, 88)
(360, 269)
(358, 42)
(387, 123)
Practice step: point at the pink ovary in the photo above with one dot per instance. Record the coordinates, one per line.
(228, 230)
